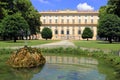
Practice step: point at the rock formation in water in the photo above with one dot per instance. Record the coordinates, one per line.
(26, 57)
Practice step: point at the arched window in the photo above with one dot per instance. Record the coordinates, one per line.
(73, 31)
(79, 32)
(92, 21)
(62, 32)
(85, 21)
(67, 20)
(68, 31)
(56, 31)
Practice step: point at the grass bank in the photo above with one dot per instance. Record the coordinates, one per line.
(112, 59)
(103, 45)
(4, 44)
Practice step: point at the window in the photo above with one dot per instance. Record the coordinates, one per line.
(55, 27)
(55, 20)
(56, 31)
(43, 15)
(62, 21)
(91, 20)
(67, 20)
(73, 21)
(67, 31)
(50, 21)
(62, 32)
(79, 20)
(56, 37)
(85, 21)
(44, 21)
(79, 32)
(73, 31)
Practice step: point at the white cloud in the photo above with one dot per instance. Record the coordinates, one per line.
(84, 7)
(44, 1)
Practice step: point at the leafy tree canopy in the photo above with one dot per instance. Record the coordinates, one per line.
(46, 33)
(102, 11)
(87, 33)
(9, 7)
(30, 14)
(109, 26)
(12, 25)
(113, 7)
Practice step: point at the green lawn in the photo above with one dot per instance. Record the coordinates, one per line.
(22, 43)
(98, 45)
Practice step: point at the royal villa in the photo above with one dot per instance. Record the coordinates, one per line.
(69, 24)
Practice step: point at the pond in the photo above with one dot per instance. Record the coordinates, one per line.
(61, 68)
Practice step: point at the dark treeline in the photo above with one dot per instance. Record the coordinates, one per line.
(11, 27)
(109, 21)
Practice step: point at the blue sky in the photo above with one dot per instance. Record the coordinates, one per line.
(45, 5)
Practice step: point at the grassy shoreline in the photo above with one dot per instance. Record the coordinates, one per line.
(4, 44)
(102, 45)
(112, 59)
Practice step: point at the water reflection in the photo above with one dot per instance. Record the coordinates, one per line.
(58, 68)
(70, 60)
(68, 72)
(26, 74)
(8, 73)
(69, 68)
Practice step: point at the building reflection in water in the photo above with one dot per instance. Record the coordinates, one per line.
(71, 60)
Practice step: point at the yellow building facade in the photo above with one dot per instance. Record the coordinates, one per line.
(69, 24)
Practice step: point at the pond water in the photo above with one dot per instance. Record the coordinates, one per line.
(61, 68)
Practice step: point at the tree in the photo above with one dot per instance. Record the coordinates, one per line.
(12, 25)
(87, 33)
(109, 26)
(102, 11)
(30, 14)
(113, 7)
(46, 33)
(3, 11)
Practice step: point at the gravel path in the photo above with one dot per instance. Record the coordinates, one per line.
(63, 43)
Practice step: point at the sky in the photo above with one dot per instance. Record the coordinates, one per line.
(81, 5)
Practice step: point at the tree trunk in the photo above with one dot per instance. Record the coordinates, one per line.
(14, 38)
(106, 38)
(29, 37)
(46, 38)
(87, 39)
(4, 38)
(22, 38)
(110, 39)
(10, 37)
(118, 39)
(26, 37)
